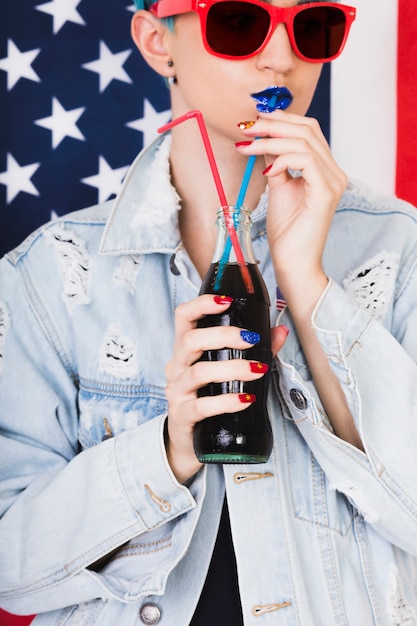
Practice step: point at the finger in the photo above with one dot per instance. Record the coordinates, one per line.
(282, 154)
(199, 340)
(283, 124)
(210, 406)
(325, 179)
(186, 318)
(274, 146)
(188, 313)
(302, 135)
(204, 372)
(279, 336)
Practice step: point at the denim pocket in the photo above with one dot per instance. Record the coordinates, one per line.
(107, 410)
(85, 614)
(313, 499)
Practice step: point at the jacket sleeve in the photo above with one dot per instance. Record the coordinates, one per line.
(378, 375)
(62, 510)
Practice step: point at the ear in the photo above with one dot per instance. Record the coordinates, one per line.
(152, 39)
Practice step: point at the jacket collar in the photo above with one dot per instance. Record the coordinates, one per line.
(144, 217)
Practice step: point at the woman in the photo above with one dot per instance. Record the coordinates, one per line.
(108, 517)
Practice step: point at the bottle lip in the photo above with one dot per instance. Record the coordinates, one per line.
(233, 208)
(239, 214)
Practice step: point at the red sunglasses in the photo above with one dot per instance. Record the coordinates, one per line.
(239, 29)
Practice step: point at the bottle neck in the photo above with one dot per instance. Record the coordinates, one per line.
(242, 222)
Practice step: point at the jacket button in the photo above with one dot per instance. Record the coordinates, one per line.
(298, 399)
(150, 613)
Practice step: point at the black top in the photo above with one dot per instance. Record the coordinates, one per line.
(220, 600)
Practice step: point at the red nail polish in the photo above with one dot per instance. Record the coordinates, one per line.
(223, 300)
(258, 368)
(247, 398)
(239, 144)
(266, 170)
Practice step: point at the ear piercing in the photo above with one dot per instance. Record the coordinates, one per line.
(172, 80)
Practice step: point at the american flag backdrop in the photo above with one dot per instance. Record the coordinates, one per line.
(77, 103)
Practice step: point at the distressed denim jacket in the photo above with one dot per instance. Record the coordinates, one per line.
(324, 533)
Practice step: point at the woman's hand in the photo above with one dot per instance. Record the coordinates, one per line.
(300, 213)
(301, 208)
(185, 375)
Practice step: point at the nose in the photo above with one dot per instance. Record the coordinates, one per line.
(278, 55)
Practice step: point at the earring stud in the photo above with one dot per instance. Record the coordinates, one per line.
(172, 80)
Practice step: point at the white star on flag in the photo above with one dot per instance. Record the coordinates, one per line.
(18, 64)
(109, 66)
(17, 178)
(62, 123)
(82, 50)
(107, 181)
(150, 122)
(62, 11)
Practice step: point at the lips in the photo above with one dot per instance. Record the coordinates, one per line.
(273, 98)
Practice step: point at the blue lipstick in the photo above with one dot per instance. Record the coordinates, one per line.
(273, 98)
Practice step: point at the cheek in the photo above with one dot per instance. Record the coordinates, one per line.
(206, 83)
(196, 88)
(308, 87)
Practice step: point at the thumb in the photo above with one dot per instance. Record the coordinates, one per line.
(278, 336)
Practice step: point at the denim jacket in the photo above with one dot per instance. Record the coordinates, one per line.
(324, 533)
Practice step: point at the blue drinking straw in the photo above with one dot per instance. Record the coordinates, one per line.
(239, 203)
(268, 101)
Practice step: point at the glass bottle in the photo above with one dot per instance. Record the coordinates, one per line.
(244, 436)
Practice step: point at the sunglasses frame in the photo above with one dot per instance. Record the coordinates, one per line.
(277, 15)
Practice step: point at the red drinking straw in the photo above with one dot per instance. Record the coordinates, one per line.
(222, 197)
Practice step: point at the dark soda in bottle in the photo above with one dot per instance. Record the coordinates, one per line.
(244, 436)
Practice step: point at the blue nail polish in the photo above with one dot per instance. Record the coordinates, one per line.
(250, 337)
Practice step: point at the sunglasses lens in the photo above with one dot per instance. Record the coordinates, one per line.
(236, 28)
(319, 31)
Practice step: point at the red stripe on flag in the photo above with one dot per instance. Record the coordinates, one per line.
(280, 301)
(406, 177)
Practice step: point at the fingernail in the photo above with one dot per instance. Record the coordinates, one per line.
(245, 125)
(247, 398)
(250, 337)
(285, 329)
(223, 300)
(266, 170)
(239, 144)
(258, 368)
